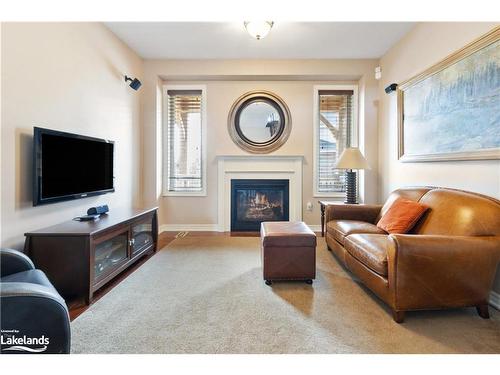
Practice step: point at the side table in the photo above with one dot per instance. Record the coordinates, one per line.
(323, 205)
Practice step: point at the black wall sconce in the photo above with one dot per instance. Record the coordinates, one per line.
(392, 87)
(134, 83)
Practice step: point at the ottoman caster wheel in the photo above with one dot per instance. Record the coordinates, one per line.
(309, 281)
(269, 282)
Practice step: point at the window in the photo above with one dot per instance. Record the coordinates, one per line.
(334, 130)
(184, 146)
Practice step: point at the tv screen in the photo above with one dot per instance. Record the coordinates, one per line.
(70, 166)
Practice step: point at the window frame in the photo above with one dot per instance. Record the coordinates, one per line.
(165, 158)
(354, 139)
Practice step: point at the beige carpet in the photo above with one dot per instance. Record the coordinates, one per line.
(206, 295)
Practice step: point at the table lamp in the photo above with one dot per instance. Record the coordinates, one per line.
(351, 158)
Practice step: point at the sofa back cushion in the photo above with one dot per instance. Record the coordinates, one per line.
(459, 213)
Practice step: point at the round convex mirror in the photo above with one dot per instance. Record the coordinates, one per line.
(259, 122)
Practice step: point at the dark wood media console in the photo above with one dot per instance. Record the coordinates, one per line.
(79, 257)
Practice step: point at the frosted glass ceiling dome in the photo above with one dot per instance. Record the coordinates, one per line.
(258, 29)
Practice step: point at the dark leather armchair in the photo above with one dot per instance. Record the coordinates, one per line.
(34, 317)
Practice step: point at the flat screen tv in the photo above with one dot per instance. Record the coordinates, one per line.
(70, 166)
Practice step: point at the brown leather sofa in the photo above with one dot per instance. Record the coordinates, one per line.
(449, 258)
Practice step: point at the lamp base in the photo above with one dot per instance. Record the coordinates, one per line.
(350, 192)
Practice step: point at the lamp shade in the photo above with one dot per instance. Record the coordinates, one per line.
(352, 158)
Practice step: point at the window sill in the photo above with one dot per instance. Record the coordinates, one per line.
(329, 195)
(184, 194)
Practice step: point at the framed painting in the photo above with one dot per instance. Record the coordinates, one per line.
(451, 111)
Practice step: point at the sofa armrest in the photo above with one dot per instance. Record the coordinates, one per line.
(442, 271)
(34, 311)
(361, 212)
(13, 261)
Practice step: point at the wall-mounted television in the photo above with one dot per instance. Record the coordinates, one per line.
(70, 166)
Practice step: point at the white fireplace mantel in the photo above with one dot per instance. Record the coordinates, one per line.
(285, 167)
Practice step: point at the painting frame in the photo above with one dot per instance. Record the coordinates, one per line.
(487, 154)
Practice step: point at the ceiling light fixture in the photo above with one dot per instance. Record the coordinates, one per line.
(258, 29)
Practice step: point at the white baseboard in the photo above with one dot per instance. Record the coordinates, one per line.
(495, 300)
(315, 228)
(189, 228)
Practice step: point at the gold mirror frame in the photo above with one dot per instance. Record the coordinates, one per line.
(264, 147)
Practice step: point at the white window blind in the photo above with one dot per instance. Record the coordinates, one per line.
(335, 134)
(184, 141)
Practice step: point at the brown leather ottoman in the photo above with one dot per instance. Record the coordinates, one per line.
(288, 251)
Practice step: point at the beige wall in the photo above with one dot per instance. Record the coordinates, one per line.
(64, 76)
(422, 47)
(226, 81)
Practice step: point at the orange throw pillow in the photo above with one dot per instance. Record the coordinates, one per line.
(401, 216)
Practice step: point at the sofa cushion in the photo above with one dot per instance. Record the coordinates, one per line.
(370, 249)
(402, 216)
(339, 229)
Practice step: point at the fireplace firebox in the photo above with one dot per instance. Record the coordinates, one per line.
(255, 201)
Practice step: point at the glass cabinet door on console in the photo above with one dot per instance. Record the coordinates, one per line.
(110, 254)
(142, 236)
